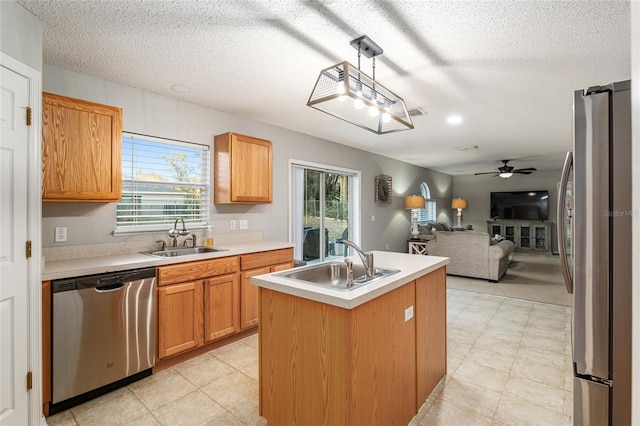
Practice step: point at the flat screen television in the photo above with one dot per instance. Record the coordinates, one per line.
(523, 205)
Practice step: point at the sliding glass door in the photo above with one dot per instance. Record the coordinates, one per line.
(323, 211)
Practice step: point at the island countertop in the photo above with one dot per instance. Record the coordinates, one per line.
(411, 266)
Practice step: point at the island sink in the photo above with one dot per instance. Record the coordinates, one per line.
(334, 275)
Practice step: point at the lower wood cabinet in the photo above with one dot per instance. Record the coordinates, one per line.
(252, 265)
(200, 302)
(249, 297)
(221, 305)
(180, 321)
(197, 303)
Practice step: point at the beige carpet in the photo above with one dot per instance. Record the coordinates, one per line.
(534, 277)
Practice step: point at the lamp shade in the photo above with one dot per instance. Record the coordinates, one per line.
(458, 203)
(414, 202)
(345, 92)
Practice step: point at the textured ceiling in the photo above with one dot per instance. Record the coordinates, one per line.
(509, 68)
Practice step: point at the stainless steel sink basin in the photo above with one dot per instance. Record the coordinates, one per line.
(184, 251)
(334, 275)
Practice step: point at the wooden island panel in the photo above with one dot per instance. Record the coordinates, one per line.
(383, 360)
(431, 324)
(325, 365)
(303, 372)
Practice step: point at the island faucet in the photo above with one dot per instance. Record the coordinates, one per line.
(366, 257)
(174, 233)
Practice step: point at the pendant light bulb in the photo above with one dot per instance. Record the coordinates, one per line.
(358, 104)
(373, 111)
(385, 116)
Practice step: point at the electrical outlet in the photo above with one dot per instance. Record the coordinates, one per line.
(387, 247)
(244, 224)
(232, 225)
(61, 234)
(408, 313)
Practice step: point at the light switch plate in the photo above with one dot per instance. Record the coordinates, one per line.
(232, 225)
(408, 313)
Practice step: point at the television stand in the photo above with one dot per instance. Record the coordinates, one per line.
(531, 236)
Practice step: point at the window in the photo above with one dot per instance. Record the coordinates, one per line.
(428, 214)
(323, 211)
(162, 180)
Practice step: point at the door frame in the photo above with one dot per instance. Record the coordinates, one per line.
(34, 220)
(356, 191)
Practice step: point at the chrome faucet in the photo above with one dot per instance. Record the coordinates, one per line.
(174, 233)
(164, 244)
(366, 257)
(349, 282)
(193, 241)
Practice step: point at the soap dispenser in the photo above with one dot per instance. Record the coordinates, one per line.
(208, 240)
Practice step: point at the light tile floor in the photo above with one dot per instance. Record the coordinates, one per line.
(508, 364)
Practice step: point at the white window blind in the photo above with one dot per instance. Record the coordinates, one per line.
(162, 180)
(428, 214)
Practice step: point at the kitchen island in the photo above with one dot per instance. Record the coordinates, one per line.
(371, 355)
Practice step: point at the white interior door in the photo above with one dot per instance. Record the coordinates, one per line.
(14, 274)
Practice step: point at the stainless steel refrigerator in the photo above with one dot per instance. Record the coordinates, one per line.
(594, 240)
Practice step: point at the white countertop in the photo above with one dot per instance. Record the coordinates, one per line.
(411, 266)
(67, 268)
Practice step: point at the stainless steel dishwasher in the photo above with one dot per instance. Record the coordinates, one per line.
(103, 333)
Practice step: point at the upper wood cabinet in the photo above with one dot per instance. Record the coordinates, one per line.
(243, 170)
(81, 150)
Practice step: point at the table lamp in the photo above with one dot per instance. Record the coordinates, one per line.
(459, 204)
(414, 202)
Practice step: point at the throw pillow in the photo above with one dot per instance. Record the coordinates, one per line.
(446, 226)
(438, 226)
(424, 229)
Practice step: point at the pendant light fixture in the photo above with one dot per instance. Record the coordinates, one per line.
(351, 95)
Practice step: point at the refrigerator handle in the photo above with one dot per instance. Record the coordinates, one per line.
(562, 203)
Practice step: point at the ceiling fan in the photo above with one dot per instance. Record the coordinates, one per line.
(506, 171)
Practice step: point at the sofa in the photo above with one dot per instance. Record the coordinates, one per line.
(472, 253)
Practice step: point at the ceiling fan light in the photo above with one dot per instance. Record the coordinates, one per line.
(505, 175)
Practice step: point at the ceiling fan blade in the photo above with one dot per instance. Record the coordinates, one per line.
(527, 171)
(484, 173)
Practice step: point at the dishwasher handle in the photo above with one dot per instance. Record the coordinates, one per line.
(109, 288)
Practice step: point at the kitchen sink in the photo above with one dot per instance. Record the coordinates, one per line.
(334, 275)
(184, 251)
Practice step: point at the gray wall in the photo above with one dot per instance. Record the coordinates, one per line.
(20, 34)
(152, 114)
(477, 190)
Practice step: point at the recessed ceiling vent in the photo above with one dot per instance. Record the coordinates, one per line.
(414, 112)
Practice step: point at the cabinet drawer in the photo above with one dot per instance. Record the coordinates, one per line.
(265, 258)
(196, 270)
